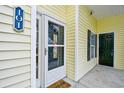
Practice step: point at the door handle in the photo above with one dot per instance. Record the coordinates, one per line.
(112, 53)
(45, 51)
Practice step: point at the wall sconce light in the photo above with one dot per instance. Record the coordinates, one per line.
(91, 13)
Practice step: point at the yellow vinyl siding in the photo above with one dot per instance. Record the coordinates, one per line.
(5, 64)
(6, 28)
(25, 83)
(15, 79)
(114, 24)
(70, 41)
(7, 37)
(14, 46)
(10, 12)
(13, 54)
(58, 11)
(85, 22)
(5, 19)
(26, 8)
(10, 72)
(15, 49)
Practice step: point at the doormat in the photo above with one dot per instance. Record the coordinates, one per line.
(60, 84)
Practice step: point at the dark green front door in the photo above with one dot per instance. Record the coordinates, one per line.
(106, 49)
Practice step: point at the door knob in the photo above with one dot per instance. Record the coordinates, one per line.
(112, 53)
(45, 51)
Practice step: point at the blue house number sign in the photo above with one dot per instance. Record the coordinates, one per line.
(18, 19)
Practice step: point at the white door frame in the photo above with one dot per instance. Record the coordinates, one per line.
(40, 52)
(33, 46)
(61, 69)
(41, 55)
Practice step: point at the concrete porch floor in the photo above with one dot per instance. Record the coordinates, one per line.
(100, 77)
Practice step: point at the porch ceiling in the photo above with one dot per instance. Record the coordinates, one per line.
(102, 11)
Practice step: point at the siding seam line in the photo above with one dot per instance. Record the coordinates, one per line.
(21, 34)
(13, 8)
(17, 83)
(15, 75)
(15, 67)
(12, 25)
(15, 58)
(12, 16)
(16, 42)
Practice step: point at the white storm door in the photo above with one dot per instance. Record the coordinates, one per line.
(55, 68)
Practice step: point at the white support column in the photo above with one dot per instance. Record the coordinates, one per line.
(33, 46)
(76, 41)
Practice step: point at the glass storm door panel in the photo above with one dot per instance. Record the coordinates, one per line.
(55, 57)
(55, 50)
(55, 45)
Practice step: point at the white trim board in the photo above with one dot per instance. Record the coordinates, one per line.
(33, 46)
(76, 41)
(42, 45)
